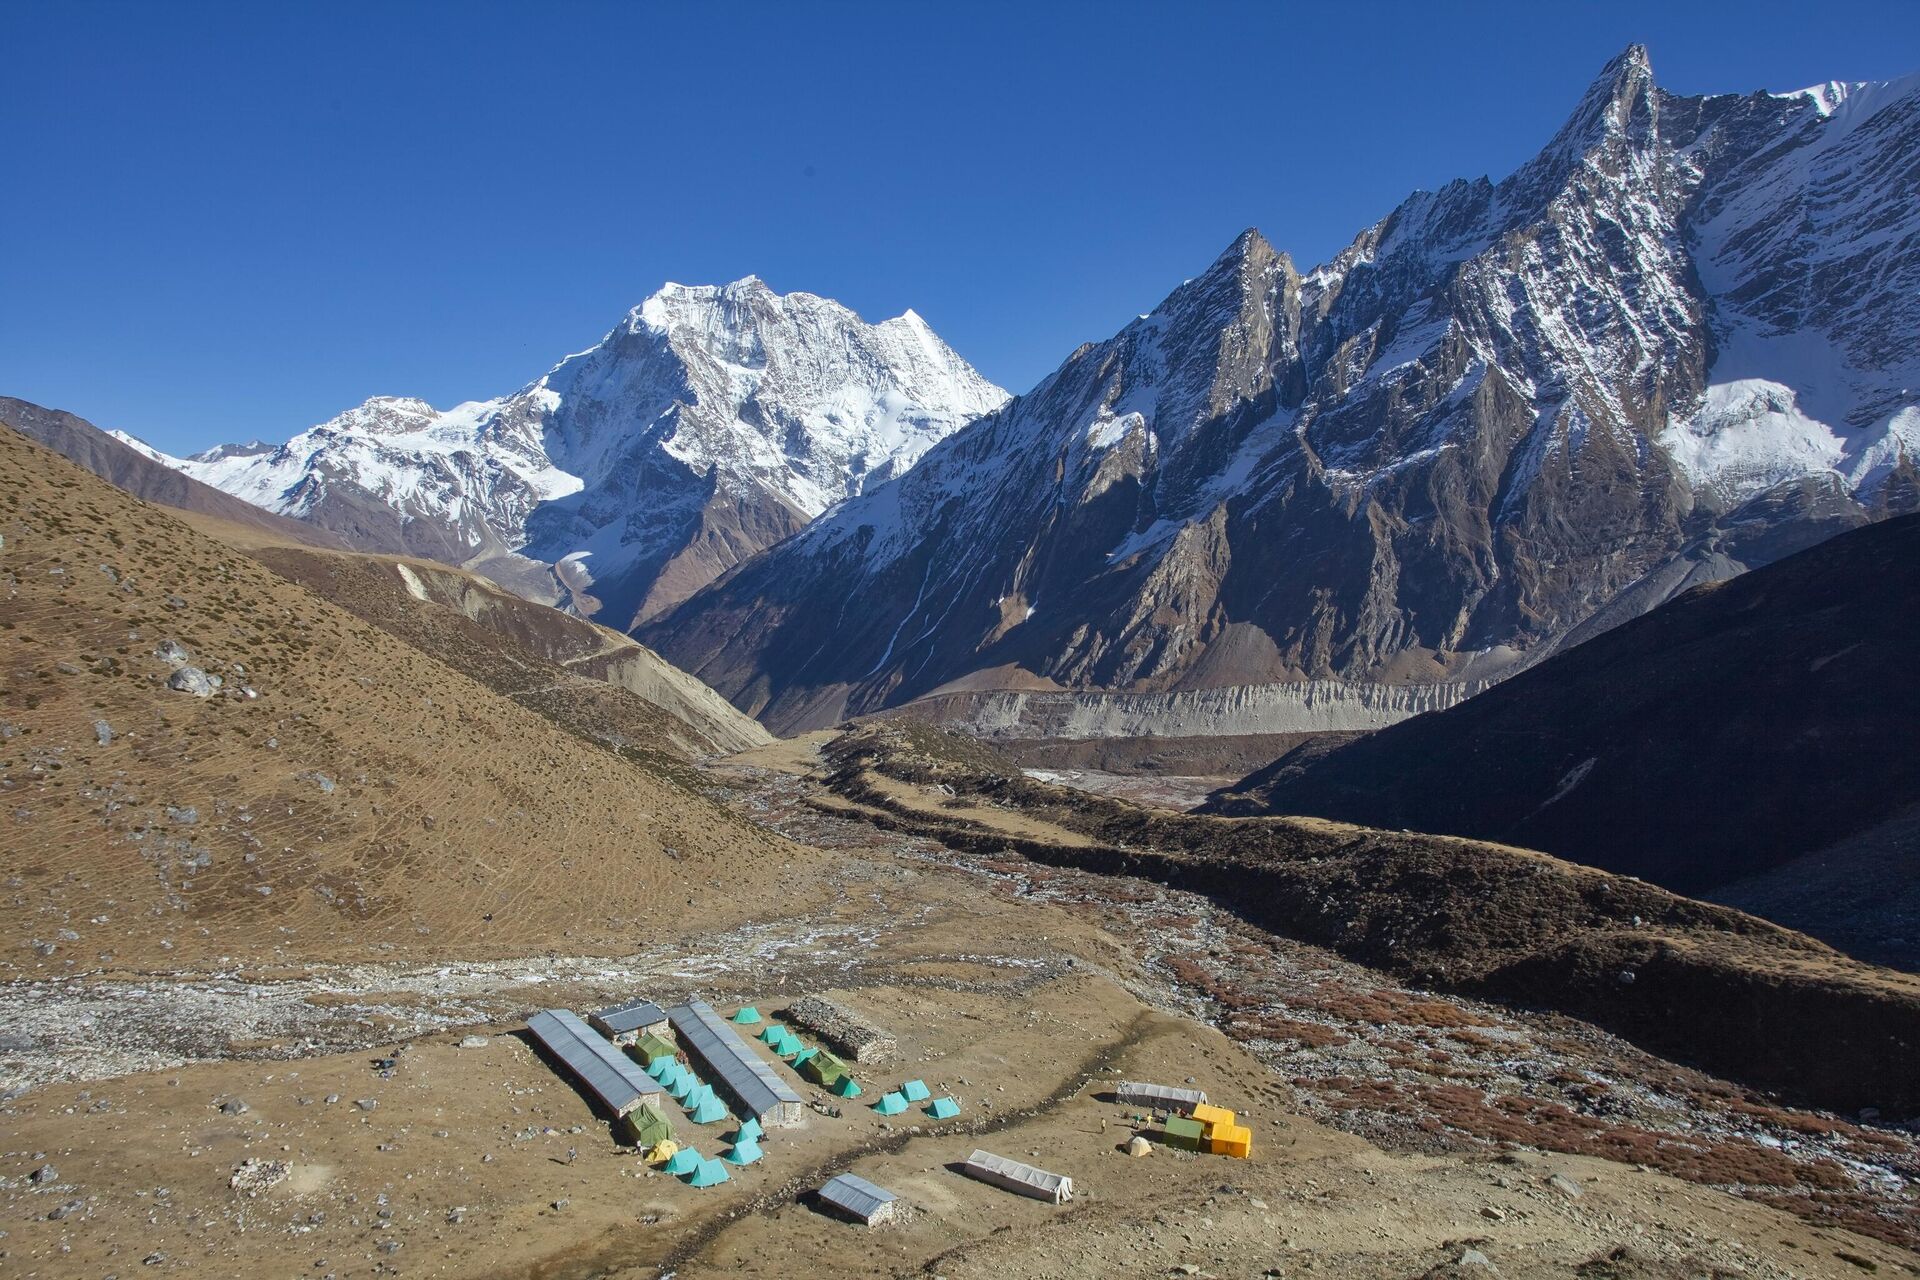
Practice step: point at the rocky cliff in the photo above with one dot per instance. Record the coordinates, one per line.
(1681, 341)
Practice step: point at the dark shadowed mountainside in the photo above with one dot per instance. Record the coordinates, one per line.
(1724, 735)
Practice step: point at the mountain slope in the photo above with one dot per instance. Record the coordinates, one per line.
(1506, 412)
(336, 792)
(1697, 982)
(1725, 733)
(589, 679)
(707, 425)
(586, 677)
(145, 474)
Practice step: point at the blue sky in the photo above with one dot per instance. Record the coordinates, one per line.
(223, 222)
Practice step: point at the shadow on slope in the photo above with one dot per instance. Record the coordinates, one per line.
(1727, 733)
(1692, 981)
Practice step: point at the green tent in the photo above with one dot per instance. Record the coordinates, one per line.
(943, 1109)
(847, 1088)
(685, 1160)
(823, 1068)
(647, 1126)
(774, 1033)
(800, 1059)
(915, 1091)
(652, 1050)
(710, 1111)
(748, 1016)
(1185, 1132)
(708, 1174)
(891, 1105)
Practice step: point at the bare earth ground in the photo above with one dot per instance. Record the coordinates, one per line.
(1026, 991)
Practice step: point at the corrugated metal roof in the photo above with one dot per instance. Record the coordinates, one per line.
(607, 1073)
(630, 1017)
(745, 1073)
(856, 1195)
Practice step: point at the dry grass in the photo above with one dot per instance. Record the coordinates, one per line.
(368, 795)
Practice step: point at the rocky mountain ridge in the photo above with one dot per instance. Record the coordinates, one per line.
(707, 425)
(1676, 344)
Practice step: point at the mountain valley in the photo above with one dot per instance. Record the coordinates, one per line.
(1729, 734)
(1450, 707)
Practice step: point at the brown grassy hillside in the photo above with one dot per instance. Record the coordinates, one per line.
(583, 676)
(78, 440)
(338, 790)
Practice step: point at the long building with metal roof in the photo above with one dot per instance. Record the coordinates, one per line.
(608, 1074)
(1138, 1093)
(733, 1067)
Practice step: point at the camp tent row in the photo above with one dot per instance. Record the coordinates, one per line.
(605, 1072)
(1160, 1097)
(733, 1065)
(860, 1200)
(1022, 1179)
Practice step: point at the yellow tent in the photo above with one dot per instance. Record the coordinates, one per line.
(663, 1152)
(1230, 1140)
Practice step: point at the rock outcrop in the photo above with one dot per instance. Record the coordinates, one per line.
(1679, 342)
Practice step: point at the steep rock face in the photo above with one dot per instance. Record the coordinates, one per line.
(1502, 412)
(711, 423)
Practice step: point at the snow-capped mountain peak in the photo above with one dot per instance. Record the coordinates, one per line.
(712, 421)
(1682, 339)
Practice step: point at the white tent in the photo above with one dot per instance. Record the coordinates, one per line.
(1160, 1097)
(1022, 1179)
